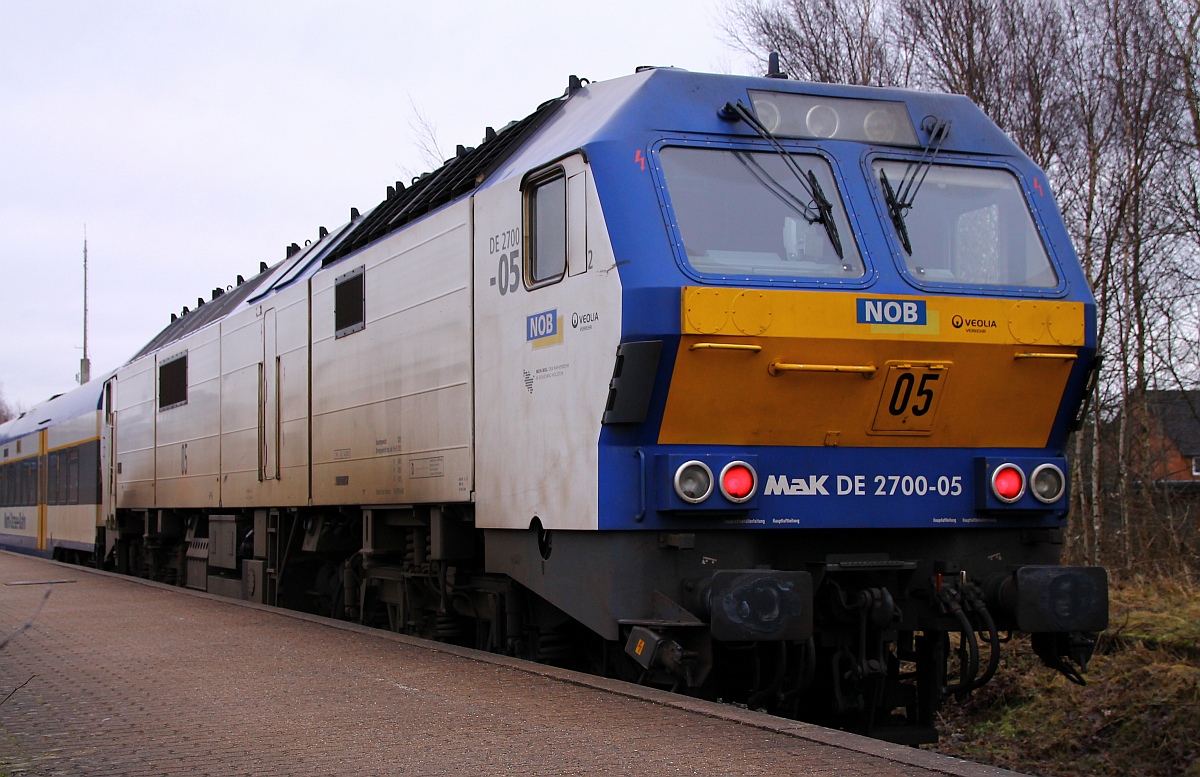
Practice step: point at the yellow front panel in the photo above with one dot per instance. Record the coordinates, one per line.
(975, 373)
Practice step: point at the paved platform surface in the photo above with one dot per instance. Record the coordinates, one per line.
(125, 677)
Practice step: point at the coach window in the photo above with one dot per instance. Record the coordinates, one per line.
(31, 482)
(73, 476)
(546, 229)
(52, 480)
(172, 382)
(350, 302)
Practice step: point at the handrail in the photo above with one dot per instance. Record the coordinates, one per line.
(1067, 356)
(865, 370)
(724, 347)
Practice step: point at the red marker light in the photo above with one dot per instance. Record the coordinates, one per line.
(738, 481)
(1008, 483)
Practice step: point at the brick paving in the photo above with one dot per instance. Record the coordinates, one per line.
(123, 677)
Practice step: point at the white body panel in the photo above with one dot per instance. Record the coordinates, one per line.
(72, 525)
(134, 399)
(73, 431)
(392, 403)
(187, 439)
(20, 527)
(540, 404)
(264, 403)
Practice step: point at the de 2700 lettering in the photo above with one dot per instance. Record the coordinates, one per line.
(906, 485)
(856, 485)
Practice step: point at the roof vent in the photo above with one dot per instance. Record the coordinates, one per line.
(241, 280)
(354, 214)
(322, 233)
(262, 267)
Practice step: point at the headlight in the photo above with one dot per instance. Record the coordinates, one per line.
(1048, 483)
(693, 482)
(840, 118)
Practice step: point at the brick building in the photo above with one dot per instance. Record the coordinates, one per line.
(1175, 437)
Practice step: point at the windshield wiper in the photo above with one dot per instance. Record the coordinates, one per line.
(805, 209)
(896, 211)
(818, 210)
(901, 198)
(825, 207)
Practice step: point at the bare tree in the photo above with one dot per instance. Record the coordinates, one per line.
(831, 41)
(7, 411)
(425, 137)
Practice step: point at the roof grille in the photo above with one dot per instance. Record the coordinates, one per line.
(459, 176)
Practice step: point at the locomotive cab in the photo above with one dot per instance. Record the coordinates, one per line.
(864, 306)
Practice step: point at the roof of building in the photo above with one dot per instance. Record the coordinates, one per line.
(1179, 413)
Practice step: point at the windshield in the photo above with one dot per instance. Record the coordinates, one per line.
(970, 225)
(746, 213)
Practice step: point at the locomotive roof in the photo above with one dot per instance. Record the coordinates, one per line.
(653, 101)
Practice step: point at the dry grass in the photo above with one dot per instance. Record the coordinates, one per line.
(1138, 715)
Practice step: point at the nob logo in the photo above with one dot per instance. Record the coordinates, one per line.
(891, 311)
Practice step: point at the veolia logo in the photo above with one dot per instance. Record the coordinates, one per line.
(909, 312)
(973, 324)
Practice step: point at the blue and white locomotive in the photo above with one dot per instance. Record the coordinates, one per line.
(752, 388)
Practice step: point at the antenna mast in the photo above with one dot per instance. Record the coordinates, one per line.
(85, 365)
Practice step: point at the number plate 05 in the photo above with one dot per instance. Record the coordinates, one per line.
(910, 397)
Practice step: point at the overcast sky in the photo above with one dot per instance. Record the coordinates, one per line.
(196, 139)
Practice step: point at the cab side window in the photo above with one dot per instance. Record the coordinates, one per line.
(546, 229)
(172, 382)
(350, 302)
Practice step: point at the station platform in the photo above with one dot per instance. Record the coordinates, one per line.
(118, 676)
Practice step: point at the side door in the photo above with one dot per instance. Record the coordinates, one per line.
(268, 400)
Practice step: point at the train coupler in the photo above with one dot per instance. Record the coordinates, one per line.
(1062, 607)
(1067, 653)
(757, 605)
(1055, 599)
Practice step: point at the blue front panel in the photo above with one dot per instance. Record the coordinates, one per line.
(816, 488)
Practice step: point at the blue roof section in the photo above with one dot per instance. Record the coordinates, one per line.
(76, 402)
(667, 100)
(609, 120)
